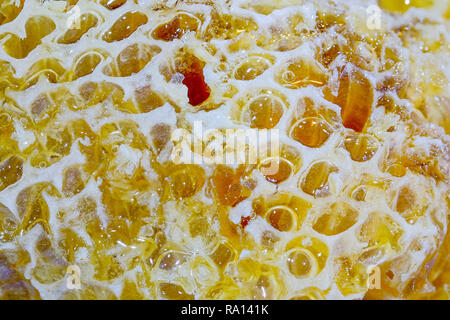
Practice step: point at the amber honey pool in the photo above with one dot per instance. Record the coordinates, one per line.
(91, 92)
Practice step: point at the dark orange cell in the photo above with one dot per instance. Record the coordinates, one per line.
(194, 80)
(198, 90)
(245, 221)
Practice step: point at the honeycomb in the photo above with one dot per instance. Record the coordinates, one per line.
(92, 91)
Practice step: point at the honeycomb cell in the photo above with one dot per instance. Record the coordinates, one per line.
(19, 290)
(131, 60)
(251, 68)
(227, 186)
(161, 134)
(86, 64)
(311, 110)
(70, 242)
(171, 260)
(86, 22)
(401, 6)
(172, 291)
(283, 172)
(50, 69)
(50, 266)
(9, 10)
(406, 199)
(397, 170)
(10, 171)
(269, 239)
(361, 54)
(199, 226)
(359, 194)
(8, 224)
(7, 270)
(204, 271)
(89, 292)
(125, 26)
(87, 208)
(191, 68)
(326, 20)
(57, 145)
(380, 230)
(263, 112)
(311, 132)
(371, 255)
(351, 276)
(94, 93)
(327, 56)
(226, 26)
(301, 263)
(315, 182)
(48, 273)
(32, 207)
(7, 79)
(64, 98)
(147, 99)
(355, 97)
(149, 228)
(422, 164)
(284, 211)
(73, 182)
(361, 147)
(300, 74)
(176, 28)
(222, 255)
(130, 291)
(36, 28)
(265, 288)
(107, 267)
(310, 293)
(112, 4)
(337, 219)
(282, 218)
(306, 256)
(184, 181)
